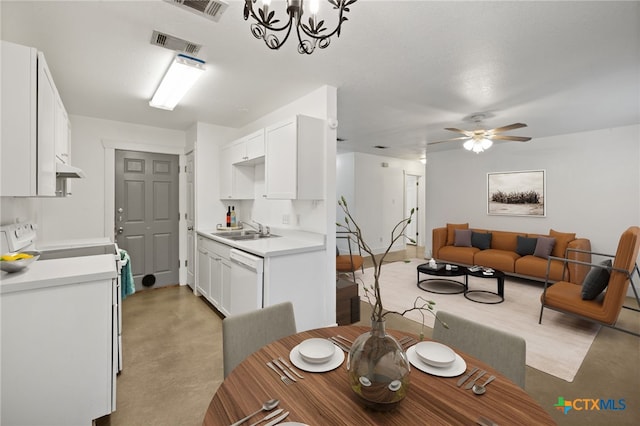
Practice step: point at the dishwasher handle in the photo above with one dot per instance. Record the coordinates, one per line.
(249, 261)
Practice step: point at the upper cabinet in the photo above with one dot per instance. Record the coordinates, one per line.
(236, 181)
(249, 149)
(295, 159)
(33, 119)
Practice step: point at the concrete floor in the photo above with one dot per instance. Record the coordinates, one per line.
(173, 365)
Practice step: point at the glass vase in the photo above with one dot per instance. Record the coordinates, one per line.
(378, 369)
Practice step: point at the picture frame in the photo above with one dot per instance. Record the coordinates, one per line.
(517, 193)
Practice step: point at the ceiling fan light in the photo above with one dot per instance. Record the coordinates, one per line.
(477, 147)
(468, 145)
(486, 143)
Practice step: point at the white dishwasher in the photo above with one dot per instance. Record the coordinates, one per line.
(246, 285)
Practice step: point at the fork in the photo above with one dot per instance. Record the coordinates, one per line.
(285, 379)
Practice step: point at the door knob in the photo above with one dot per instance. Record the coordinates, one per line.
(120, 230)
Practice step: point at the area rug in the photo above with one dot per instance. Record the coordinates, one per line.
(557, 346)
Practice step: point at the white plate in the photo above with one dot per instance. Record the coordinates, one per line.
(316, 350)
(335, 361)
(436, 354)
(457, 368)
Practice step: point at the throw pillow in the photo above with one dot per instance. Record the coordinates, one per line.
(544, 246)
(481, 240)
(451, 227)
(562, 241)
(526, 245)
(596, 280)
(462, 237)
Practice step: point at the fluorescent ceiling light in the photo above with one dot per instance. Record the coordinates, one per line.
(181, 75)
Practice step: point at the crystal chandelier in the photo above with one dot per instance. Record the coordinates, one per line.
(311, 33)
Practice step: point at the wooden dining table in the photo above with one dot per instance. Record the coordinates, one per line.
(327, 399)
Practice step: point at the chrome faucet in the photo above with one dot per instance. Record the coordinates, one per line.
(262, 230)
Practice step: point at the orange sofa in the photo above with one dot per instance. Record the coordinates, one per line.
(503, 252)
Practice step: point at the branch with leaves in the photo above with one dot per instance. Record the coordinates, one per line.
(375, 300)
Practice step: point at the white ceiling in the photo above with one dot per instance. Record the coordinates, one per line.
(404, 70)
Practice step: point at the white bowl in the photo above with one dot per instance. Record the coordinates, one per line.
(435, 354)
(19, 265)
(316, 350)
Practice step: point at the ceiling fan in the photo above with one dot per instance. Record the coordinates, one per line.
(481, 139)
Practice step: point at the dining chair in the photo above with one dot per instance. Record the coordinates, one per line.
(504, 351)
(243, 334)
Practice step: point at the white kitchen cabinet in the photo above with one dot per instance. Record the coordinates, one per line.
(62, 132)
(29, 99)
(57, 353)
(203, 277)
(295, 159)
(249, 149)
(236, 181)
(213, 277)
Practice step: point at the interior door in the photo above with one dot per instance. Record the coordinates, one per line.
(146, 215)
(411, 202)
(190, 221)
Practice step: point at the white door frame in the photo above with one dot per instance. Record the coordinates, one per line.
(110, 147)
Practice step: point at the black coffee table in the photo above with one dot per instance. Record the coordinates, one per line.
(482, 273)
(443, 278)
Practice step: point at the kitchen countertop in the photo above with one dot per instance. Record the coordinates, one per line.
(289, 242)
(58, 272)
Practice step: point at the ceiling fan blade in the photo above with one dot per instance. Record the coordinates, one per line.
(464, 132)
(448, 140)
(510, 138)
(507, 128)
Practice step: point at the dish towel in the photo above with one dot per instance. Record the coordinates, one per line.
(127, 286)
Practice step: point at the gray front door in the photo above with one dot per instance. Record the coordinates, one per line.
(147, 215)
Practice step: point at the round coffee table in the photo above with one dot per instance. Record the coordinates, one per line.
(444, 276)
(482, 273)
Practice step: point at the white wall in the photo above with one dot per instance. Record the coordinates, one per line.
(375, 195)
(593, 185)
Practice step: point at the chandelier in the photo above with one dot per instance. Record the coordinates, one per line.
(478, 144)
(311, 34)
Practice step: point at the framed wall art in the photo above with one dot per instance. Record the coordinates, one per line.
(517, 193)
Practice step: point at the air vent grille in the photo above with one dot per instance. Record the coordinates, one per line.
(174, 43)
(211, 9)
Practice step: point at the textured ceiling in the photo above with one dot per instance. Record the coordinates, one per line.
(404, 70)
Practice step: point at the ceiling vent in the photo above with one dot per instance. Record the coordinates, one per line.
(210, 9)
(174, 43)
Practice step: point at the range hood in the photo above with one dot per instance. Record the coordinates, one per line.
(68, 171)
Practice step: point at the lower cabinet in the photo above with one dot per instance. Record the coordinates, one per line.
(213, 280)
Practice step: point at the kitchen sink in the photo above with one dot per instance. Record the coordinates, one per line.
(243, 235)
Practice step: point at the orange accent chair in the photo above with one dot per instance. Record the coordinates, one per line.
(348, 263)
(567, 297)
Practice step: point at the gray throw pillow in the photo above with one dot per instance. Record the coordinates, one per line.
(544, 247)
(596, 280)
(462, 237)
(526, 245)
(481, 240)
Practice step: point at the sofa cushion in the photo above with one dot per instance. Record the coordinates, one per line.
(450, 231)
(502, 260)
(505, 240)
(533, 266)
(462, 237)
(562, 241)
(526, 245)
(544, 247)
(461, 255)
(596, 281)
(481, 240)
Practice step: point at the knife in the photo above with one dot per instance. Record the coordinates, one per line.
(472, 382)
(289, 375)
(339, 344)
(267, 417)
(286, 364)
(466, 376)
(277, 420)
